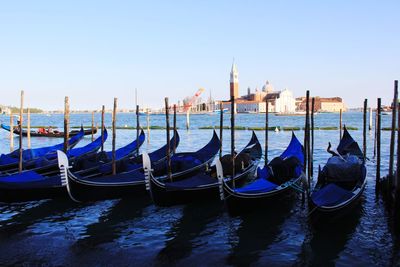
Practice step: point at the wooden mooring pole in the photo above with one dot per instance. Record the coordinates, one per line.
(311, 164)
(169, 170)
(233, 138)
(137, 130)
(11, 133)
(114, 118)
(266, 131)
(397, 177)
(21, 113)
(392, 138)
(221, 127)
(92, 126)
(148, 126)
(103, 110)
(188, 119)
(28, 127)
(378, 145)
(66, 123)
(365, 129)
(174, 129)
(340, 125)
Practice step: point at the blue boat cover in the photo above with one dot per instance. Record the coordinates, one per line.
(29, 154)
(26, 176)
(262, 184)
(192, 182)
(259, 185)
(128, 149)
(330, 195)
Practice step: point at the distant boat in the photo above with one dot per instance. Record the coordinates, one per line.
(297, 113)
(44, 132)
(219, 111)
(386, 113)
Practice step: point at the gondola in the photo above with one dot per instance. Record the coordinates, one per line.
(11, 160)
(130, 181)
(46, 133)
(341, 181)
(274, 181)
(46, 183)
(99, 183)
(204, 185)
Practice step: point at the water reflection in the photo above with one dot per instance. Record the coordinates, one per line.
(182, 235)
(326, 240)
(257, 231)
(113, 222)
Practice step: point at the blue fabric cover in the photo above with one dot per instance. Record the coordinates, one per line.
(192, 182)
(128, 149)
(257, 186)
(346, 169)
(26, 176)
(261, 184)
(330, 195)
(91, 147)
(29, 154)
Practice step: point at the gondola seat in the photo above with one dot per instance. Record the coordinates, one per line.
(330, 195)
(257, 186)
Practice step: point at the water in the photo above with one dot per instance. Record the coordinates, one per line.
(135, 232)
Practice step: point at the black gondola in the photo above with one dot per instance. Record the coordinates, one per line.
(99, 183)
(203, 185)
(44, 181)
(341, 182)
(10, 161)
(274, 182)
(46, 132)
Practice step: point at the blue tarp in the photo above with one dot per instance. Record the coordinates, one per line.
(330, 195)
(26, 176)
(29, 154)
(257, 186)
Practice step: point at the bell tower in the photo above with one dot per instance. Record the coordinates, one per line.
(234, 82)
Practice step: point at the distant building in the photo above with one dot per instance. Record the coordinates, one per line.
(322, 104)
(280, 102)
(5, 110)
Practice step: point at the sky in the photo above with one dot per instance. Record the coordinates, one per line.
(93, 51)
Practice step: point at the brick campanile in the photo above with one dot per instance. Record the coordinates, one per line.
(234, 82)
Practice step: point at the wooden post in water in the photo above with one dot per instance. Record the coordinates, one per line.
(392, 136)
(66, 123)
(169, 171)
(11, 133)
(148, 126)
(188, 119)
(103, 110)
(21, 113)
(221, 127)
(137, 129)
(311, 164)
(174, 129)
(340, 125)
(308, 136)
(28, 127)
(233, 138)
(114, 118)
(92, 126)
(305, 164)
(375, 133)
(397, 181)
(266, 131)
(378, 145)
(365, 129)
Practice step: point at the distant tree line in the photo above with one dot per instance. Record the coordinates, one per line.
(33, 110)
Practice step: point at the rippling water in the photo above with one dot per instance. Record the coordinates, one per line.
(135, 232)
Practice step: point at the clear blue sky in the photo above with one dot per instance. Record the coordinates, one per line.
(93, 51)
